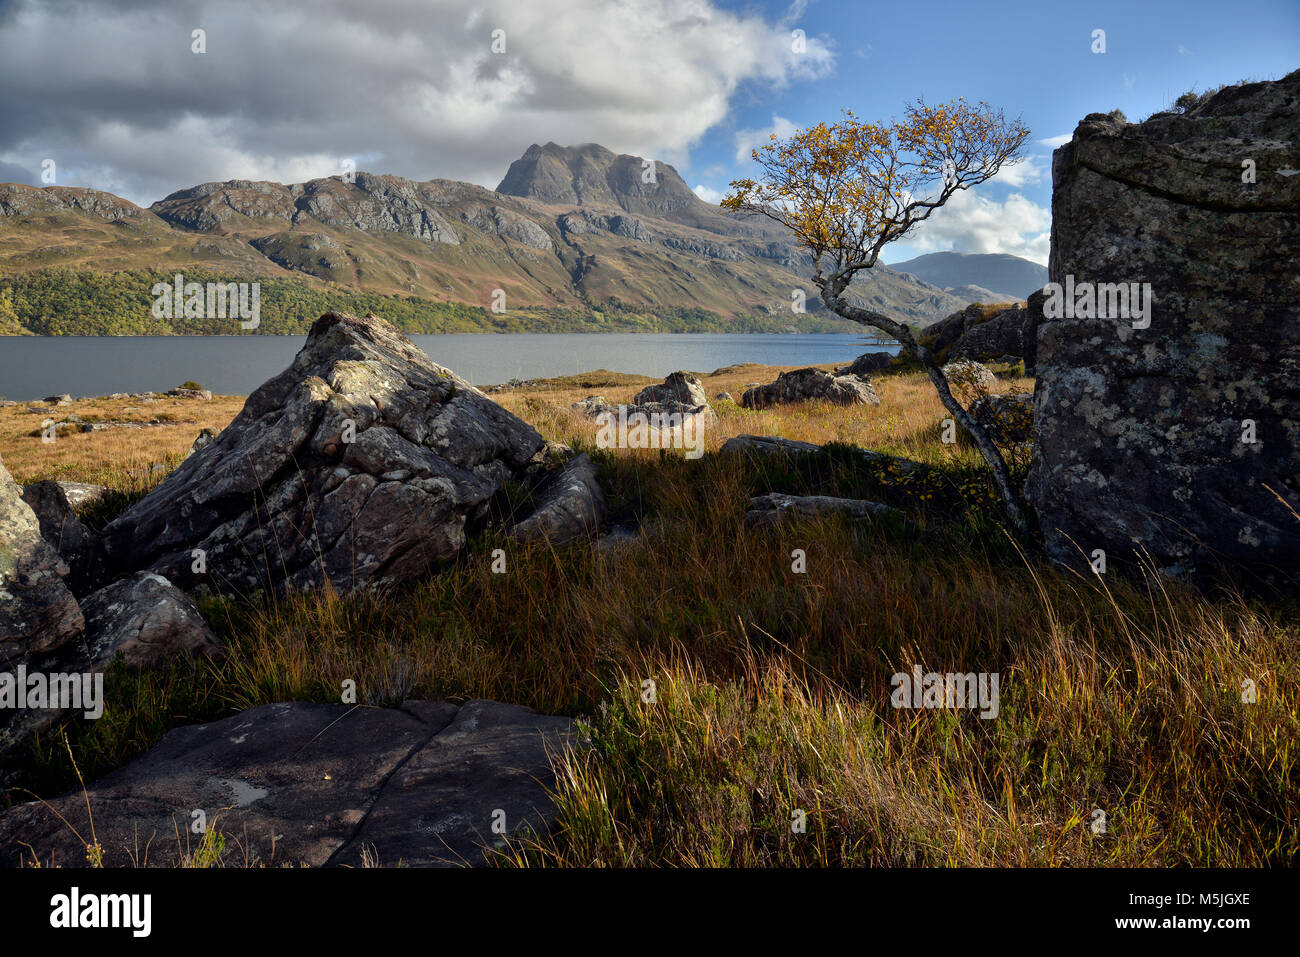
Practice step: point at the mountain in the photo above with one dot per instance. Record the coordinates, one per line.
(1001, 276)
(571, 227)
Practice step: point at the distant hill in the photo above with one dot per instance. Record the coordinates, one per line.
(570, 228)
(1000, 275)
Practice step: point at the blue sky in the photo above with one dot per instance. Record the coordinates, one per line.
(291, 90)
(1031, 59)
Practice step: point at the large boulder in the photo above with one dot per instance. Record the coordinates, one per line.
(1145, 422)
(361, 464)
(803, 385)
(430, 784)
(38, 612)
(1008, 334)
(985, 334)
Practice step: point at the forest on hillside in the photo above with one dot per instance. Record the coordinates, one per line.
(72, 302)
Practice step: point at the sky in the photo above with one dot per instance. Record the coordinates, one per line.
(114, 94)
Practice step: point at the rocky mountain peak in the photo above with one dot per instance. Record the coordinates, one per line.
(591, 175)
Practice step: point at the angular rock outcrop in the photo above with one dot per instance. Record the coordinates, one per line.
(148, 620)
(680, 387)
(803, 385)
(37, 609)
(569, 505)
(318, 784)
(360, 464)
(53, 505)
(1175, 430)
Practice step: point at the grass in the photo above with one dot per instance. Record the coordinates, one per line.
(772, 687)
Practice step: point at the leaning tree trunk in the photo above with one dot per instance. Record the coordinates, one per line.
(1001, 474)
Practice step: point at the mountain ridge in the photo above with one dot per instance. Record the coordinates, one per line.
(568, 227)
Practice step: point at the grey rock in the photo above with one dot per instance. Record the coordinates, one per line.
(767, 445)
(969, 377)
(867, 364)
(204, 439)
(203, 395)
(975, 333)
(725, 397)
(282, 500)
(148, 620)
(569, 505)
(593, 406)
(37, 609)
(1140, 430)
(681, 387)
(803, 385)
(313, 784)
(767, 510)
(680, 394)
(54, 505)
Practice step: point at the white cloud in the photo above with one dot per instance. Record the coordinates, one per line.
(749, 140)
(1183, 51)
(709, 194)
(412, 84)
(1020, 173)
(1055, 141)
(974, 224)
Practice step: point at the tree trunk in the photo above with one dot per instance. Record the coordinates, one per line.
(1001, 474)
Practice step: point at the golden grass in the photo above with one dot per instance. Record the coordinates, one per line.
(773, 686)
(103, 457)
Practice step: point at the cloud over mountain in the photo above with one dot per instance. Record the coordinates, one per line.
(412, 88)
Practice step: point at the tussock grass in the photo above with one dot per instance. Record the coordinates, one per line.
(772, 688)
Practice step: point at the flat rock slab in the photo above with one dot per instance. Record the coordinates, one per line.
(767, 510)
(430, 784)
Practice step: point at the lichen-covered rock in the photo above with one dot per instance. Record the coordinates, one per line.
(148, 620)
(360, 464)
(767, 510)
(569, 505)
(1176, 433)
(1009, 333)
(681, 387)
(969, 377)
(37, 610)
(76, 543)
(803, 385)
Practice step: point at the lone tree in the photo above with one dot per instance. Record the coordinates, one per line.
(848, 189)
